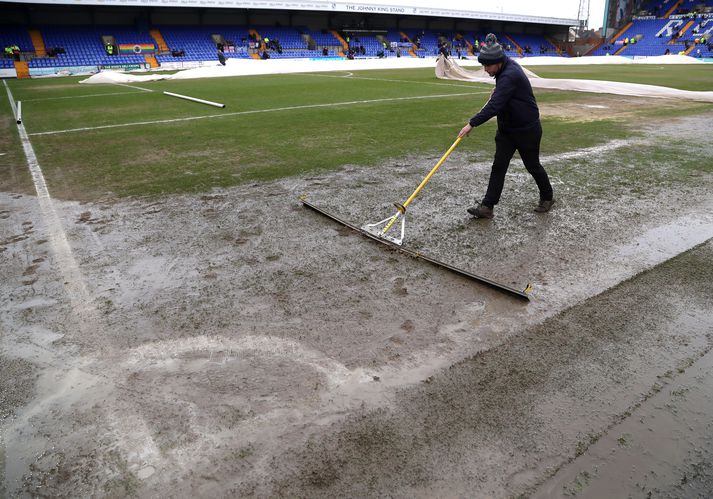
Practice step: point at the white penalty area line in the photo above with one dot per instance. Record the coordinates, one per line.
(133, 86)
(257, 111)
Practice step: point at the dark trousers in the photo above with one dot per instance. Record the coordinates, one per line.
(528, 145)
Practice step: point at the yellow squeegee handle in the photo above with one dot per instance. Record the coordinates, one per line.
(430, 174)
(402, 208)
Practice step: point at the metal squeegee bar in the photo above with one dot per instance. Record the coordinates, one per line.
(421, 256)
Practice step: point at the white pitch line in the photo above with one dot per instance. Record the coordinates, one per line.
(80, 96)
(132, 86)
(74, 281)
(13, 106)
(227, 349)
(256, 111)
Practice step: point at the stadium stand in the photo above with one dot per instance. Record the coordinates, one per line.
(532, 45)
(14, 36)
(660, 36)
(82, 46)
(693, 7)
(285, 42)
(372, 44)
(190, 43)
(659, 27)
(511, 48)
(426, 42)
(325, 39)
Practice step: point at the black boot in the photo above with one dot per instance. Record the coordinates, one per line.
(481, 211)
(544, 205)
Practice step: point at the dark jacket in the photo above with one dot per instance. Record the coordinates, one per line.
(512, 101)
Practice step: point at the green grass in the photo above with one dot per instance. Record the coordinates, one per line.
(265, 132)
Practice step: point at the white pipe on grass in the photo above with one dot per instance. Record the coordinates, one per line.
(216, 104)
(19, 112)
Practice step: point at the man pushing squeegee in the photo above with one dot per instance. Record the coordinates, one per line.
(519, 129)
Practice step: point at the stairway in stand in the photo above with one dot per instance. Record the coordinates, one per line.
(160, 42)
(518, 48)
(258, 38)
(22, 69)
(151, 61)
(38, 42)
(412, 50)
(673, 8)
(343, 42)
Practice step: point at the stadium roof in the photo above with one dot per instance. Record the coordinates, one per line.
(395, 7)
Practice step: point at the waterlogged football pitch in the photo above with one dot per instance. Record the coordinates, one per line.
(174, 322)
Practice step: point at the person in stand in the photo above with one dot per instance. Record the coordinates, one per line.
(519, 127)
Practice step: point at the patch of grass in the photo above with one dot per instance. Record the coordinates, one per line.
(684, 109)
(635, 169)
(623, 440)
(580, 482)
(583, 445)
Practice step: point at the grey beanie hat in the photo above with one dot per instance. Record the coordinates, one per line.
(491, 52)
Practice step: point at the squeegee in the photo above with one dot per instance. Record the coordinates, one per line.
(381, 229)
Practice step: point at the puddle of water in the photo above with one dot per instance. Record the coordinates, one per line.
(57, 392)
(645, 251)
(34, 344)
(658, 244)
(665, 448)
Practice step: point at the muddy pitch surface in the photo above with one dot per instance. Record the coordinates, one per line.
(238, 343)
